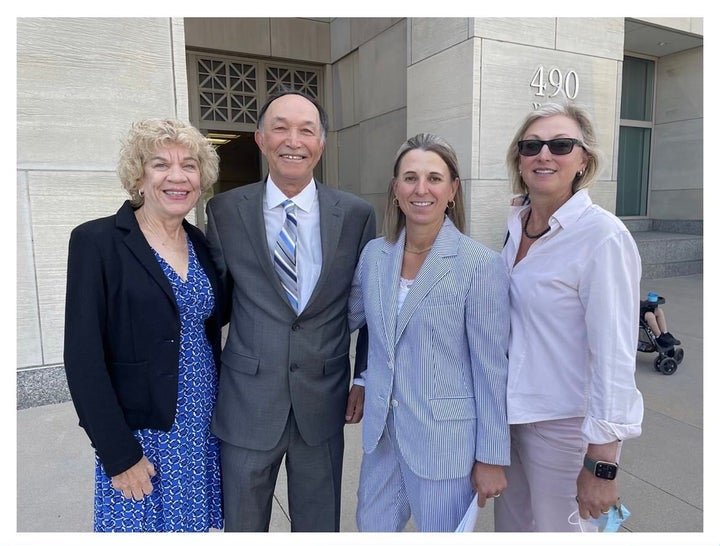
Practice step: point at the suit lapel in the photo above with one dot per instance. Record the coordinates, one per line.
(250, 208)
(331, 222)
(139, 247)
(438, 263)
(388, 275)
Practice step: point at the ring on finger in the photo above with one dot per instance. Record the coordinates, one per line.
(496, 495)
(605, 511)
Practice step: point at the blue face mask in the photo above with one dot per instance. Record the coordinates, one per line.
(606, 523)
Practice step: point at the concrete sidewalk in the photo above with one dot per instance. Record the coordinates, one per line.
(661, 480)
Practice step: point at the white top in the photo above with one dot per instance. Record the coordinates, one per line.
(575, 304)
(405, 285)
(309, 248)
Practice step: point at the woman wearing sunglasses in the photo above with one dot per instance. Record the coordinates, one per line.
(574, 296)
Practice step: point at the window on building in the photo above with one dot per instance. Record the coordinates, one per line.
(636, 121)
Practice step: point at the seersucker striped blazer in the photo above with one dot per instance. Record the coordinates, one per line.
(441, 362)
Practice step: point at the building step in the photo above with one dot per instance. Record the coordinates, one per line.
(668, 254)
(668, 248)
(690, 227)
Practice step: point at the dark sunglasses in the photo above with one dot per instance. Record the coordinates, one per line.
(557, 146)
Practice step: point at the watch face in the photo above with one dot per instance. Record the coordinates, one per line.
(605, 471)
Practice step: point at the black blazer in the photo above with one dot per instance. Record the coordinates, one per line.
(122, 334)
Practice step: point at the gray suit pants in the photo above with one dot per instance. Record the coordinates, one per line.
(314, 483)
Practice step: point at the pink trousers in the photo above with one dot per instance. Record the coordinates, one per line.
(546, 458)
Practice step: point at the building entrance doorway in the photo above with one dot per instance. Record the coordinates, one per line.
(240, 160)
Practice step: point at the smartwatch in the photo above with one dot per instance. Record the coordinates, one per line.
(601, 469)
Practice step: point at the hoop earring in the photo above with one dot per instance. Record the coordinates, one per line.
(141, 193)
(451, 202)
(580, 173)
(396, 202)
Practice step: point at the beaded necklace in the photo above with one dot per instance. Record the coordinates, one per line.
(525, 231)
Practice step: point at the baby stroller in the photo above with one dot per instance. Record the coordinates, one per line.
(669, 356)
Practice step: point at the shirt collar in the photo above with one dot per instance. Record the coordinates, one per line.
(569, 213)
(573, 208)
(303, 200)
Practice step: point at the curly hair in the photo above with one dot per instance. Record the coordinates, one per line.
(588, 140)
(149, 135)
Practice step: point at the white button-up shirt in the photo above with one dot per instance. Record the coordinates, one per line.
(575, 304)
(309, 248)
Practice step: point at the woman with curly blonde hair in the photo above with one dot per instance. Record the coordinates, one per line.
(142, 339)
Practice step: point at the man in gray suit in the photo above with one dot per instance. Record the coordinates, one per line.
(285, 371)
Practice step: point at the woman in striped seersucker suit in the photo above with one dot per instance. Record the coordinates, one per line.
(436, 305)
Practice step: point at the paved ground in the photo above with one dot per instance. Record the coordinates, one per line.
(661, 476)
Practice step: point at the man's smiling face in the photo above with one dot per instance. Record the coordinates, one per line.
(291, 139)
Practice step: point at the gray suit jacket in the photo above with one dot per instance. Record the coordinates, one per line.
(274, 361)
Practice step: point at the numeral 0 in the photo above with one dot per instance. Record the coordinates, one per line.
(569, 85)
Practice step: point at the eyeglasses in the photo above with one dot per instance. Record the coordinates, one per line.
(557, 146)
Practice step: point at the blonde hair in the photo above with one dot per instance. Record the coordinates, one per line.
(394, 220)
(588, 141)
(147, 136)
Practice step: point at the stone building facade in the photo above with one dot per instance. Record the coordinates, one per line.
(81, 81)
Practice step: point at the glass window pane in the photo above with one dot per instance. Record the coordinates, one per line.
(633, 171)
(637, 89)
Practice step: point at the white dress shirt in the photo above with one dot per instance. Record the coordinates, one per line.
(575, 304)
(309, 248)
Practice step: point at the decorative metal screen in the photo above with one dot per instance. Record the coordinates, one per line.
(227, 91)
(306, 81)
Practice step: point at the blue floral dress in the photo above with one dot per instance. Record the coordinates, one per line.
(186, 490)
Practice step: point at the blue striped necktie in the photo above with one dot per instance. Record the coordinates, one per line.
(285, 254)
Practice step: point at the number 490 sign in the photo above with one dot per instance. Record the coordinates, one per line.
(555, 83)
